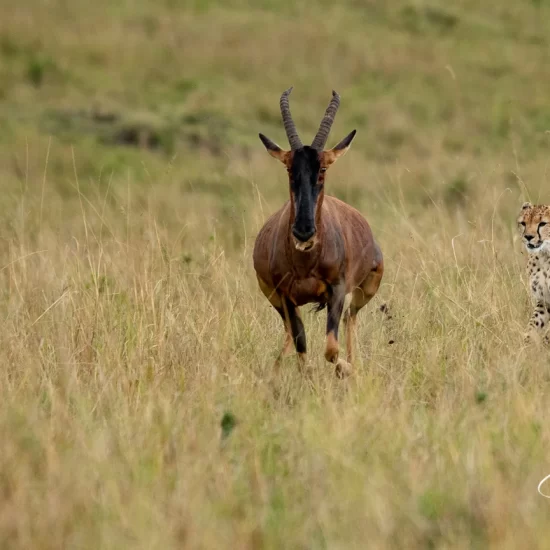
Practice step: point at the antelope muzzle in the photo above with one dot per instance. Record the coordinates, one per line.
(304, 231)
(304, 241)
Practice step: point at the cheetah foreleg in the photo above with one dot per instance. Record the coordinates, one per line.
(538, 326)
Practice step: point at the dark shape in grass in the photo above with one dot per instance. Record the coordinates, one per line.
(385, 309)
(418, 19)
(142, 137)
(480, 397)
(456, 192)
(36, 70)
(440, 18)
(8, 46)
(228, 424)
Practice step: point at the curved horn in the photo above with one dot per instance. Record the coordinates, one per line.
(324, 129)
(290, 128)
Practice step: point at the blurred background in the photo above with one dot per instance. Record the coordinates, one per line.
(165, 100)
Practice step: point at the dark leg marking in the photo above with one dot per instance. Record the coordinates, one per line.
(538, 323)
(296, 326)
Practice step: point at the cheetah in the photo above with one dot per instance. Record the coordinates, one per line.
(534, 228)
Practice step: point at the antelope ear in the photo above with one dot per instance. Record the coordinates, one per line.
(332, 155)
(526, 205)
(273, 149)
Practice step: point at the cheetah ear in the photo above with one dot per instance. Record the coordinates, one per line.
(526, 205)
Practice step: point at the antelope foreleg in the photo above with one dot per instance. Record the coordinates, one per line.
(295, 332)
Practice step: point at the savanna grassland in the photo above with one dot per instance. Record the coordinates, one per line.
(139, 406)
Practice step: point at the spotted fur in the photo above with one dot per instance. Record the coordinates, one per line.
(534, 228)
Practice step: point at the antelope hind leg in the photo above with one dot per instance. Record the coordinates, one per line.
(360, 297)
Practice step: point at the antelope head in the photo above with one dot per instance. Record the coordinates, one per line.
(306, 166)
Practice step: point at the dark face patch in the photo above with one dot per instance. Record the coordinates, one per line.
(305, 189)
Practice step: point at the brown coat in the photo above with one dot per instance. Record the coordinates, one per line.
(346, 252)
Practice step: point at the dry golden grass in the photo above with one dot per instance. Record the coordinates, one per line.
(139, 407)
(124, 343)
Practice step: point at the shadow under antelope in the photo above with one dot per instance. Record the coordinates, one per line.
(316, 248)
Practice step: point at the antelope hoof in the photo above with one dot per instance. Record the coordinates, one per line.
(343, 369)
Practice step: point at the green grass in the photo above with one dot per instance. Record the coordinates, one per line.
(140, 408)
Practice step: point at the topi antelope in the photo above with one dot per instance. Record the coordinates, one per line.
(316, 249)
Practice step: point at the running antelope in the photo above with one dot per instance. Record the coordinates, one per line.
(316, 249)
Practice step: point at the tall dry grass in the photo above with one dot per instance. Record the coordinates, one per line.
(125, 342)
(140, 408)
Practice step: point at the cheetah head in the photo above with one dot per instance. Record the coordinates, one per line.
(534, 227)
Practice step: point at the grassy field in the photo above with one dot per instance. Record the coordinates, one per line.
(139, 407)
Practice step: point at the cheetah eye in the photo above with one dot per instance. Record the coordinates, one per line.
(542, 224)
(323, 170)
(522, 224)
